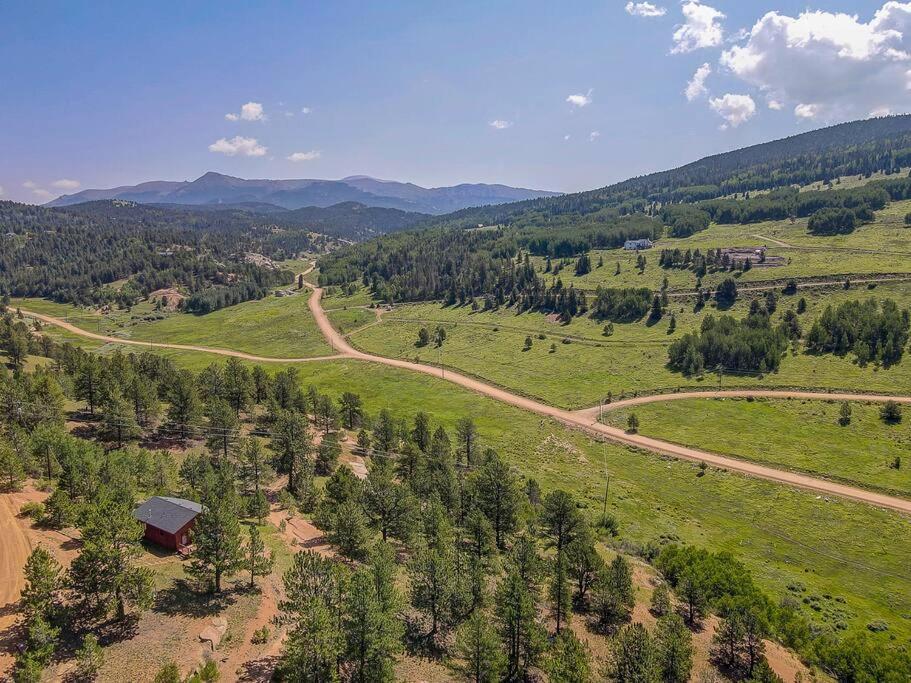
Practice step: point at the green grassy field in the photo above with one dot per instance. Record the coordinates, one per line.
(271, 327)
(579, 374)
(808, 256)
(790, 434)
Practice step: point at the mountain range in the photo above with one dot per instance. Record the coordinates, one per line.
(218, 189)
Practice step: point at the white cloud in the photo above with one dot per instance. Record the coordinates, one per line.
(306, 110)
(594, 135)
(247, 147)
(251, 111)
(566, 137)
(696, 87)
(38, 191)
(66, 184)
(829, 66)
(305, 156)
(775, 105)
(734, 109)
(806, 111)
(500, 124)
(701, 28)
(644, 9)
(580, 99)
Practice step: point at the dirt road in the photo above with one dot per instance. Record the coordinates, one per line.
(585, 420)
(69, 327)
(14, 553)
(592, 413)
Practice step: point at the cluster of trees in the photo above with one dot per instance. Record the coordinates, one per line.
(789, 202)
(874, 331)
(74, 255)
(684, 220)
(752, 344)
(621, 305)
(712, 261)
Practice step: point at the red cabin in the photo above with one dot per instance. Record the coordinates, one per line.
(168, 521)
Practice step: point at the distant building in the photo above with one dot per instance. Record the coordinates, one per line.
(168, 521)
(636, 245)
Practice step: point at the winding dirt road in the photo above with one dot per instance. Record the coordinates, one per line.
(585, 419)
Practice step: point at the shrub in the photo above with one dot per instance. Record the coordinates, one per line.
(33, 510)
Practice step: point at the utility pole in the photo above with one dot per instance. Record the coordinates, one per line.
(606, 490)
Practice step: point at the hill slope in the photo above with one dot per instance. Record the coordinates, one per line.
(215, 188)
(858, 147)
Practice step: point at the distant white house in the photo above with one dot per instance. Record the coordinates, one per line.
(636, 245)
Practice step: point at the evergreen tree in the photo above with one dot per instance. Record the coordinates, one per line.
(467, 435)
(12, 471)
(119, 417)
(351, 409)
(256, 561)
(104, 577)
(43, 583)
(674, 644)
(569, 660)
(222, 428)
(388, 504)
(373, 632)
(497, 493)
(184, 408)
(292, 445)
(217, 549)
(635, 657)
(477, 645)
(614, 596)
(238, 384)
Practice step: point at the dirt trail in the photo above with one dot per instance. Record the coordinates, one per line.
(592, 413)
(15, 551)
(802, 285)
(772, 240)
(585, 420)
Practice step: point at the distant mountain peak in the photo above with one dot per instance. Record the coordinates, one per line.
(213, 188)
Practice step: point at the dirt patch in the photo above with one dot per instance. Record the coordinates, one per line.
(170, 298)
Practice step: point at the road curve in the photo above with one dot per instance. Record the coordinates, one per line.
(69, 327)
(585, 420)
(592, 413)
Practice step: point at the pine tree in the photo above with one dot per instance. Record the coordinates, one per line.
(89, 657)
(478, 647)
(12, 471)
(104, 577)
(222, 427)
(388, 504)
(119, 417)
(351, 409)
(569, 660)
(184, 408)
(635, 659)
(217, 549)
(674, 644)
(373, 631)
(43, 583)
(256, 561)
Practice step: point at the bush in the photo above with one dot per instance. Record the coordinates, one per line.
(832, 222)
(891, 412)
(260, 636)
(32, 510)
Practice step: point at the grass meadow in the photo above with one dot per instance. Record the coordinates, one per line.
(790, 434)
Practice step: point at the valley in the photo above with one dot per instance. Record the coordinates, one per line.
(670, 401)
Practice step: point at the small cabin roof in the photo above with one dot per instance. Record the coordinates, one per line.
(167, 513)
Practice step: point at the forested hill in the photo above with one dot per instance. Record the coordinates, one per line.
(114, 252)
(856, 148)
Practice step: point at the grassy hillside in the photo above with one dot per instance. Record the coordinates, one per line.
(791, 434)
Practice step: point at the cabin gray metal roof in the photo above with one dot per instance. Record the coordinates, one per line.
(166, 513)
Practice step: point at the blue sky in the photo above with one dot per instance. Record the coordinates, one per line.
(97, 94)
